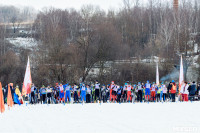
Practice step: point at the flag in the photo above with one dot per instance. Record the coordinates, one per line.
(2, 106)
(9, 97)
(157, 75)
(26, 89)
(181, 76)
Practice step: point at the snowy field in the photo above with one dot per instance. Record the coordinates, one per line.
(103, 118)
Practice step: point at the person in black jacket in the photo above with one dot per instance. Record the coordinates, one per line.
(192, 89)
(169, 87)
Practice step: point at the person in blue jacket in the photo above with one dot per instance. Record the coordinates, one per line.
(43, 92)
(68, 89)
(83, 90)
(147, 90)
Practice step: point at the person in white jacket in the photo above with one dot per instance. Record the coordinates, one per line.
(186, 92)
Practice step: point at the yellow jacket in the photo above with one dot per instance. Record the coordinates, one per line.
(17, 91)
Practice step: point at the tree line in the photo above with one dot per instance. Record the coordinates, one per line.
(71, 43)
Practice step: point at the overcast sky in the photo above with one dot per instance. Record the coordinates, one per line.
(77, 4)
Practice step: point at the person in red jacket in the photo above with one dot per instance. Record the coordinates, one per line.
(153, 92)
(112, 86)
(173, 90)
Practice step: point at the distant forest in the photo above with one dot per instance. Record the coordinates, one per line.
(72, 42)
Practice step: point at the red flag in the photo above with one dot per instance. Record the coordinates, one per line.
(2, 106)
(9, 97)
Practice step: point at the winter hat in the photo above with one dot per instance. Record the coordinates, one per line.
(173, 81)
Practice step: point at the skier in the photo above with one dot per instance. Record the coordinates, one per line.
(83, 90)
(56, 93)
(153, 92)
(133, 93)
(103, 93)
(192, 90)
(173, 91)
(107, 92)
(61, 93)
(169, 87)
(164, 92)
(49, 91)
(114, 93)
(33, 88)
(161, 90)
(185, 91)
(97, 90)
(129, 88)
(124, 93)
(67, 93)
(119, 94)
(158, 93)
(88, 95)
(147, 90)
(182, 91)
(112, 86)
(43, 92)
(75, 89)
(139, 94)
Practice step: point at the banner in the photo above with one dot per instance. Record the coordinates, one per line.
(9, 97)
(157, 75)
(2, 106)
(181, 76)
(26, 89)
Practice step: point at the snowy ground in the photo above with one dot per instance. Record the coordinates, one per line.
(103, 118)
(23, 42)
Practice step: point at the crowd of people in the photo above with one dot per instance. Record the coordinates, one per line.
(140, 92)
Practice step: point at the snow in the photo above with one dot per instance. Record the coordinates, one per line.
(23, 42)
(102, 118)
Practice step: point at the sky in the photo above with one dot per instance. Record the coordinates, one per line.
(63, 4)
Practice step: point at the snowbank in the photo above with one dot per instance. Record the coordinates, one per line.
(102, 118)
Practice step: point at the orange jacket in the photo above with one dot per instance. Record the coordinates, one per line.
(173, 90)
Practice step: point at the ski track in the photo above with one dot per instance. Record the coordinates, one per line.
(101, 118)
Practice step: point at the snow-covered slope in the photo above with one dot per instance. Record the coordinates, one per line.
(23, 42)
(104, 118)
